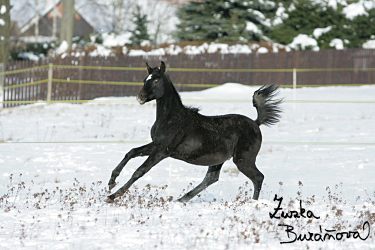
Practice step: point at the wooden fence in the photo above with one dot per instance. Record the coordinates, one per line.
(85, 78)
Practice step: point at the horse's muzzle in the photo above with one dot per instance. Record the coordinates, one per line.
(141, 97)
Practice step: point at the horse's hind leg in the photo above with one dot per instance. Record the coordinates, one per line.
(247, 167)
(211, 177)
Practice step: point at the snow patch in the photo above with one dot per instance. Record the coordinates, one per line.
(215, 47)
(302, 41)
(370, 44)
(333, 3)
(32, 39)
(62, 48)
(277, 21)
(135, 52)
(355, 9)
(239, 49)
(280, 15)
(2, 22)
(98, 223)
(369, 4)
(250, 26)
(145, 43)
(262, 50)
(195, 50)
(337, 43)
(28, 56)
(291, 7)
(257, 13)
(101, 51)
(3, 9)
(157, 52)
(173, 50)
(320, 31)
(270, 4)
(112, 40)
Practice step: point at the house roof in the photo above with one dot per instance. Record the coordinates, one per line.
(23, 12)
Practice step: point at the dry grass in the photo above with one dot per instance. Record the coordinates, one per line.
(241, 220)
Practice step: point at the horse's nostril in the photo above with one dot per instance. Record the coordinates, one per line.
(141, 97)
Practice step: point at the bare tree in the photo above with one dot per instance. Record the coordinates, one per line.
(118, 13)
(55, 14)
(67, 22)
(37, 6)
(36, 21)
(160, 15)
(4, 30)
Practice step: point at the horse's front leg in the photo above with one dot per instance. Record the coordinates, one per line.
(155, 157)
(135, 152)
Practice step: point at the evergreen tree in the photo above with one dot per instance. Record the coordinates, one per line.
(139, 34)
(307, 15)
(363, 27)
(304, 18)
(224, 20)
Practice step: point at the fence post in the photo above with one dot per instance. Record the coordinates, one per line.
(2, 84)
(80, 72)
(49, 85)
(294, 82)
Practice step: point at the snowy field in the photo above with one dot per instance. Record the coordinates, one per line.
(321, 153)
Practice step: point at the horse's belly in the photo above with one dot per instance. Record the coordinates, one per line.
(195, 152)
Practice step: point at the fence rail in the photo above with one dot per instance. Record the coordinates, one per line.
(288, 143)
(185, 69)
(81, 79)
(191, 100)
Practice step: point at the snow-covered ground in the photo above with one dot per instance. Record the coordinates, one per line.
(52, 193)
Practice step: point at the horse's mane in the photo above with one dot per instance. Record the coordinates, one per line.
(172, 89)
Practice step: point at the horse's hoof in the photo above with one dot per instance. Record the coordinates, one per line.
(109, 200)
(181, 200)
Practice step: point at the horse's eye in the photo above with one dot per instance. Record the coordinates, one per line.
(156, 80)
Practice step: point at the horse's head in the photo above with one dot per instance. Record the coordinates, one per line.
(153, 87)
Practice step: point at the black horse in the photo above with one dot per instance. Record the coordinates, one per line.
(182, 133)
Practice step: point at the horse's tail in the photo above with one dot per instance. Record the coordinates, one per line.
(268, 109)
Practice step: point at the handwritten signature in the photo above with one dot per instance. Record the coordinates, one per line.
(328, 234)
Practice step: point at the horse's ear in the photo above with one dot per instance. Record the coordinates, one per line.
(162, 67)
(149, 69)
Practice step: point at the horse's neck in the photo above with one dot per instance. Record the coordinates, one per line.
(169, 104)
